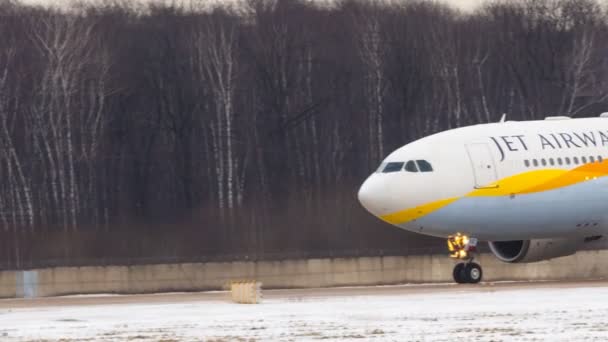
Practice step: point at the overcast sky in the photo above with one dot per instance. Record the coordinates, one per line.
(463, 4)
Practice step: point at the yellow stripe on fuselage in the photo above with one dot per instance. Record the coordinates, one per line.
(416, 212)
(523, 183)
(519, 184)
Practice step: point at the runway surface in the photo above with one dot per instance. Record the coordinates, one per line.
(499, 312)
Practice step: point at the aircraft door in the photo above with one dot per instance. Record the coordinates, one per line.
(483, 165)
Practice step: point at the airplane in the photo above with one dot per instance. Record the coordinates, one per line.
(533, 190)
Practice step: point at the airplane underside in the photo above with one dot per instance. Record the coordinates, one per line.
(580, 209)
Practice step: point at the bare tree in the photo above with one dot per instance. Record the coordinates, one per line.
(372, 50)
(218, 41)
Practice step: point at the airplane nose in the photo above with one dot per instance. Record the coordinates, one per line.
(369, 195)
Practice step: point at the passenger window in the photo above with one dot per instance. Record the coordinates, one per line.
(544, 162)
(535, 162)
(567, 160)
(559, 161)
(575, 160)
(599, 159)
(410, 166)
(592, 159)
(424, 166)
(393, 167)
(551, 161)
(584, 160)
(527, 163)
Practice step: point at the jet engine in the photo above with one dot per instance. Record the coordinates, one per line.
(520, 251)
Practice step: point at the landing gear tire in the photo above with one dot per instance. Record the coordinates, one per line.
(473, 273)
(458, 274)
(469, 273)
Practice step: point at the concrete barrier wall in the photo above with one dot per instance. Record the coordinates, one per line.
(8, 284)
(286, 274)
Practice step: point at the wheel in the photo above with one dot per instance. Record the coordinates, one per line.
(473, 273)
(458, 274)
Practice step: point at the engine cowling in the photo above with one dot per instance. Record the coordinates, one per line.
(521, 251)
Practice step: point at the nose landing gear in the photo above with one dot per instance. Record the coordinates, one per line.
(462, 247)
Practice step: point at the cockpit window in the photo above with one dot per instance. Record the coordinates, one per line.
(424, 166)
(410, 166)
(393, 167)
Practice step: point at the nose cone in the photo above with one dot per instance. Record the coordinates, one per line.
(371, 195)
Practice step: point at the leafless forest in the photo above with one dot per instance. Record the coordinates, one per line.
(170, 134)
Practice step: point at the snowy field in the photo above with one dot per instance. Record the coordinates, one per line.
(444, 314)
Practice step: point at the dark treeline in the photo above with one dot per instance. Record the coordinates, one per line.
(173, 134)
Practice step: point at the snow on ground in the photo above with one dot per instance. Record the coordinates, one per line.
(553, 314)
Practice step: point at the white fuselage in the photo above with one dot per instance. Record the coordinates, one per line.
(498, 181)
